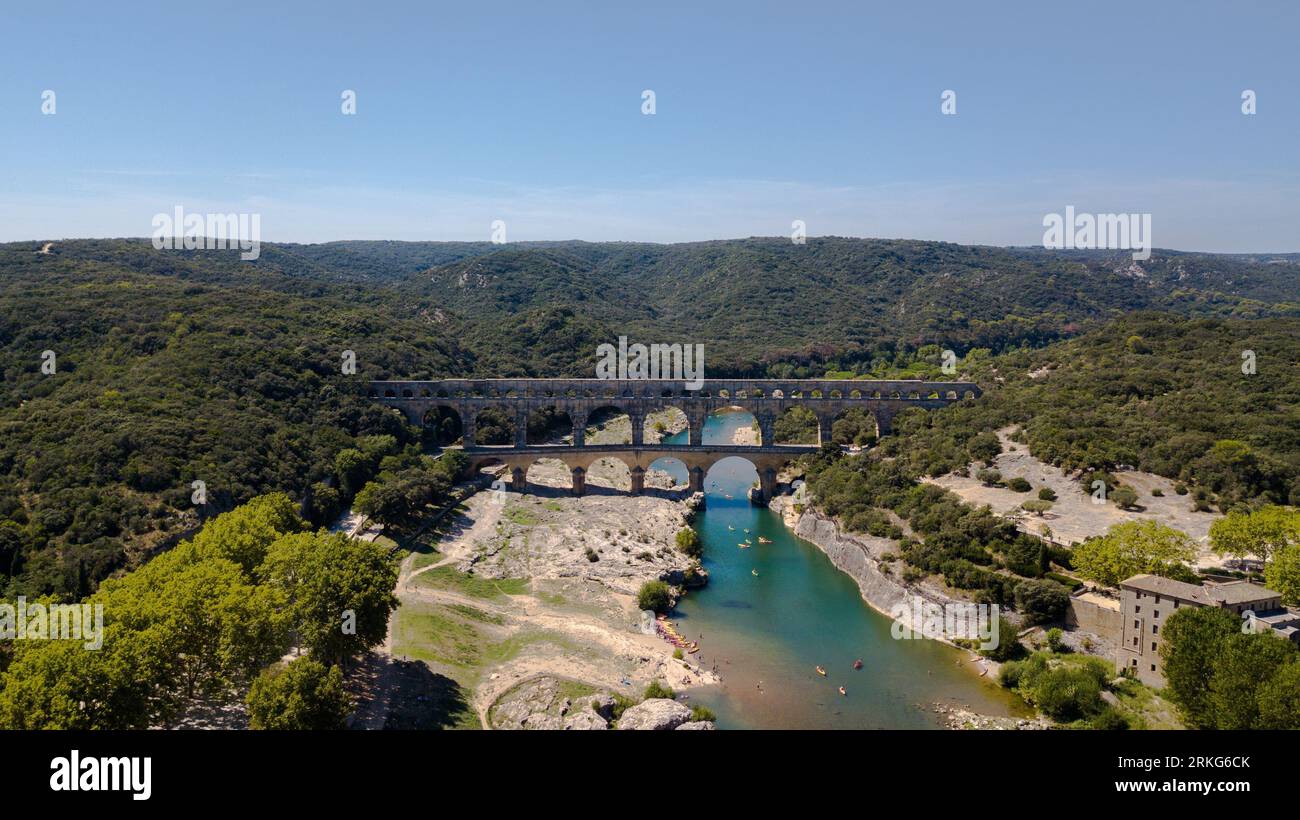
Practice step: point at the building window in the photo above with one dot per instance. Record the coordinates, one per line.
(1175, 604)
(1153, 667)
(1135, 661)
(1155, 613)
(1137, 624)
(1155, 630)
(1135, 641)
(1137, 609)
(1157, 599)
(1153, 646)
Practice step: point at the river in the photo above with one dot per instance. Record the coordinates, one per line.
(767, 633)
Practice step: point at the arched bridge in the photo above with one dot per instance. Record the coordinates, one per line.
(460, 401)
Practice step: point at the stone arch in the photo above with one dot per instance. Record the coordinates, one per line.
(610, 471)
(796, 424)
(548, 425)
(854, 426)
(673, 467)
(442, 425)
(727, 409)
(666, 421)
(612, 418)
(494, 426)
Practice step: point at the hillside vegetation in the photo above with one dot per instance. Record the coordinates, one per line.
(174, 367)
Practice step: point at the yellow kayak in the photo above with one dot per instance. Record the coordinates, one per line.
(821, 671)
(754, 572)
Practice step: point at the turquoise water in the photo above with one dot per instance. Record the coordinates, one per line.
(766, 634)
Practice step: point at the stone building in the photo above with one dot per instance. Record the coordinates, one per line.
(1147, 601)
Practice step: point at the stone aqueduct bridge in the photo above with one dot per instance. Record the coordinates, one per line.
(766, 399)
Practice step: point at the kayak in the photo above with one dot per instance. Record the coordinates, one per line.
(821, 671)
(842, 692)
(857, 664)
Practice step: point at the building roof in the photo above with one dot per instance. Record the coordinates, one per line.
(1240, 592)
(1230, 593)
(1158, 585)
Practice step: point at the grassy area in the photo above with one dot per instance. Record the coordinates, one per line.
(452, 579)
(520, 516)
(1144, 707)
(476, 614)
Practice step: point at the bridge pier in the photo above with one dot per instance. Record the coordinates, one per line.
(767, 429)
(638, 480)
(579, 481)
(638, 428)
(824, 423)
(767, 485)
(467, 430)
(697, 479)
(521, 427)
(579, 428)
(518, 479)
(695, 419)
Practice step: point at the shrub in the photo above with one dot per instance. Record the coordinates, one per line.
(1124, 497)
(654, 595)
(1041, 600)
(699, 713)
(1008, 647)
(1108, 720)
(989, 477)
(1066, 693)
(1055, 640)
(658, 690)
(1019, 484)
(677, 654)
(1046, 494)
(688, 541)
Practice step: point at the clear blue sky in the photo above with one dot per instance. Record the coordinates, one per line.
(530, 112)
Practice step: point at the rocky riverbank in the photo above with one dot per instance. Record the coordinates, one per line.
(542, 585)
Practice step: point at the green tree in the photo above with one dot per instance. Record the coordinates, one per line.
(353, 468)
(1244, 663)
(1282, 574)
(654, 595)
(1193, 639)
(1124, 497)
(1134, 548)
(1036, 506)
(336, 592)
(1041, 601)
(302, 694)
(1261, 533)
(984, 447)
(1279, 699)
(243, 534)
(688, 541)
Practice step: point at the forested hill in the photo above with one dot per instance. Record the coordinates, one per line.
(173, 367)
(760, 300)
